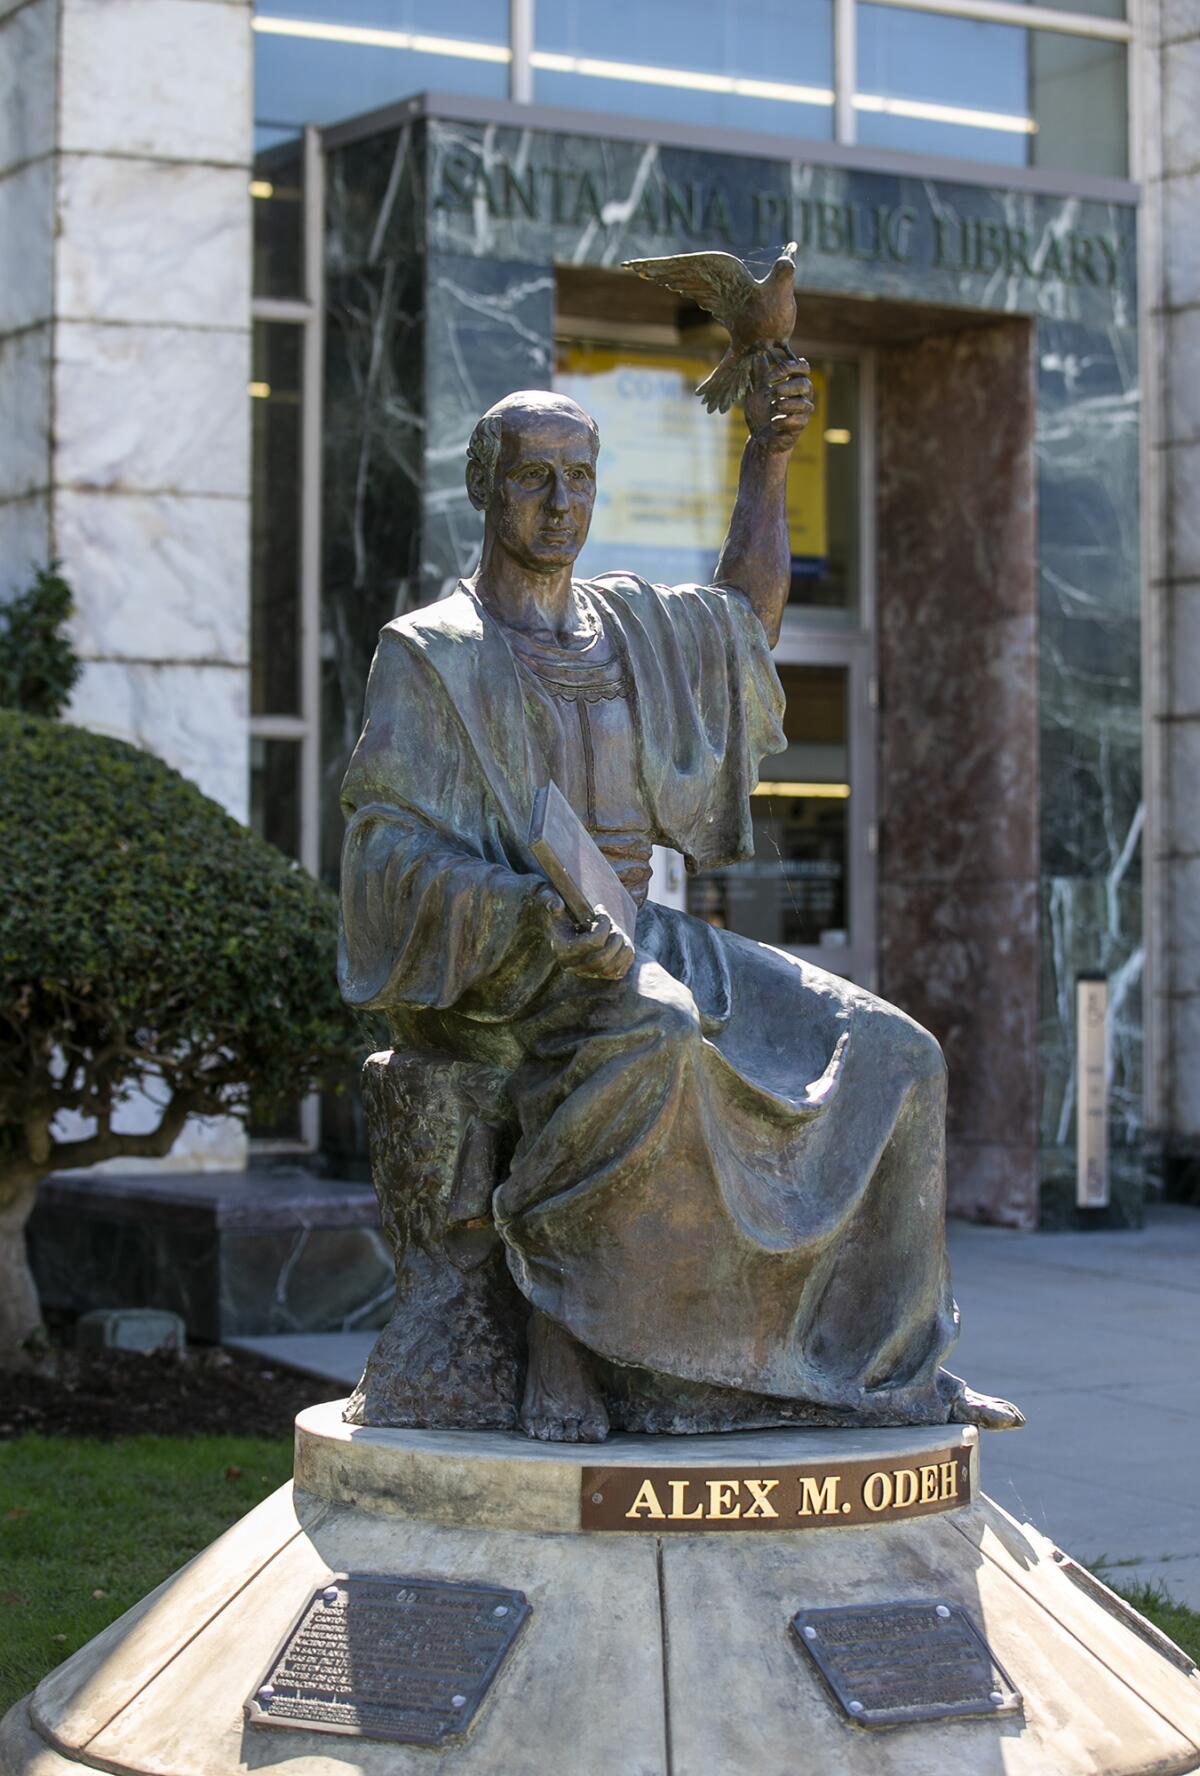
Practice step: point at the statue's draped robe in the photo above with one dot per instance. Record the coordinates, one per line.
(730, 1165)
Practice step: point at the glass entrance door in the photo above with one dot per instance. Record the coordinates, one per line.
(668, 476)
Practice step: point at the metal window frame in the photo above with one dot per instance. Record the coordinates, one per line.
(303, 729)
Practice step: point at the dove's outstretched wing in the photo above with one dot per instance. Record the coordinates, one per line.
(717, 281)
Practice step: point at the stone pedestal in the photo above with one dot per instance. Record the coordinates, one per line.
(654, 1645)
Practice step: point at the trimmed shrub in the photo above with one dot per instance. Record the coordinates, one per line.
(38, 668)
(146, 941)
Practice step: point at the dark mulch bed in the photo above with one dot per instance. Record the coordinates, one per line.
(198, 1393)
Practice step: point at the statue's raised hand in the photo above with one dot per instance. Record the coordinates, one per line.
(603, 950)
(780, 402)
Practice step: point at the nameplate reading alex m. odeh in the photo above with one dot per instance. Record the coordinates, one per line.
(734, 1497)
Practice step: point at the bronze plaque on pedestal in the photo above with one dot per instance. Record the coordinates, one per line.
(888, 1663)
(819, 1495)
(390, 1658)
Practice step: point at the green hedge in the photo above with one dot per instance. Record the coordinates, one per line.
(145, 934)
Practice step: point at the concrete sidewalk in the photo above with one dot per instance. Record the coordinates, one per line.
(1097, 1338)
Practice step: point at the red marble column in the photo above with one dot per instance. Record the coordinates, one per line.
(958, 900)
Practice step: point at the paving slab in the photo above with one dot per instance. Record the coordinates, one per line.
(1097, 1337)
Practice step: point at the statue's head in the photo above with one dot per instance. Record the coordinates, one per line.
(531, 470)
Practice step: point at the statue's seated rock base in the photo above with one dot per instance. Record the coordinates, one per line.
(453, 1350)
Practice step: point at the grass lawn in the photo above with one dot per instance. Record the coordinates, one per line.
(87, 1528)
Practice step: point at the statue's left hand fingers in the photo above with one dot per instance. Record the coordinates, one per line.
(616, 958)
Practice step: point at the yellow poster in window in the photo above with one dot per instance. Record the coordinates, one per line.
(669, 469)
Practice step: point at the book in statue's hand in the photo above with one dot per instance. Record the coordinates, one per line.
(575, 866)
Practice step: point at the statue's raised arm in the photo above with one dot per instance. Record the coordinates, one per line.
(756, 559)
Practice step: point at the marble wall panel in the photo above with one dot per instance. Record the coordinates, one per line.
(1184, 665)
(319, 1279)
(528, 195)
(24, 541)
(1181, 205)
(1184, 1036)
(489, 331)
(160, 577)
(989, 1181)
(1181, 104)
(1092, 813)
(1183, 512)
(126, 64)
(185, 714)
(961, 959)
(1183, 933)
(25, 412)
(374, 191)
(1183, 378)
(958, 761)
(153, 241)
(27, 230)
(28, 40)
(1178, 18)
(152, 409)
(1182, 837)
(373, 429)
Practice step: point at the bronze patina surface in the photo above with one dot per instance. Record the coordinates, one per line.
(382, 1657)
(890, 1663)
(820, 1495)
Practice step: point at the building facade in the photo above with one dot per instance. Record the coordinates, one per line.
(992, 730)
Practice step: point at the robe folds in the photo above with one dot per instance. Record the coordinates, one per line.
(729, 1166)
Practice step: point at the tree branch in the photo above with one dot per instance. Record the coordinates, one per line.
(113, 1144)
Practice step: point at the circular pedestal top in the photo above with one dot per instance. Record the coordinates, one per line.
(786, 1479)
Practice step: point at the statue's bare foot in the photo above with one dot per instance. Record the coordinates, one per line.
(987, 1411)
(562, 1403)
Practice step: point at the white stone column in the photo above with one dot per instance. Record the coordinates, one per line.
(1173, 199)
(125, 221)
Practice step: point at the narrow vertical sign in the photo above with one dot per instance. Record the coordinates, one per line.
(1091, 1041)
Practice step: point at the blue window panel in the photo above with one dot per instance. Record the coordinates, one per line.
(300, 81)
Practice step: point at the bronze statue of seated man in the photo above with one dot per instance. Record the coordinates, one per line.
(723, 1203)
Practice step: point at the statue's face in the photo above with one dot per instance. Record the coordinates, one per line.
(545, 488)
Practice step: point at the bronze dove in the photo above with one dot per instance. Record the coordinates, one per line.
(757, 313)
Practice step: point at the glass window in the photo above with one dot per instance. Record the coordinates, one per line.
(320, 61)
(276, 413)
(668, 470)
(1108, 9)
(278, 192)
(275, 792)
(794, 891)
(979, 91)
(767, 66)
(1079, 98)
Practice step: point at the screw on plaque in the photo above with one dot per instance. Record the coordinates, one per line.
(943, 1612)
(810, 1634)
(266, 1692)
(597, 1498)
(996, 1697)
(330, 1594)
(855, 1707)
(501, 1609)
(458, 1701)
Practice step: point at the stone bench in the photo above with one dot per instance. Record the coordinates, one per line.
(237, 1254)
